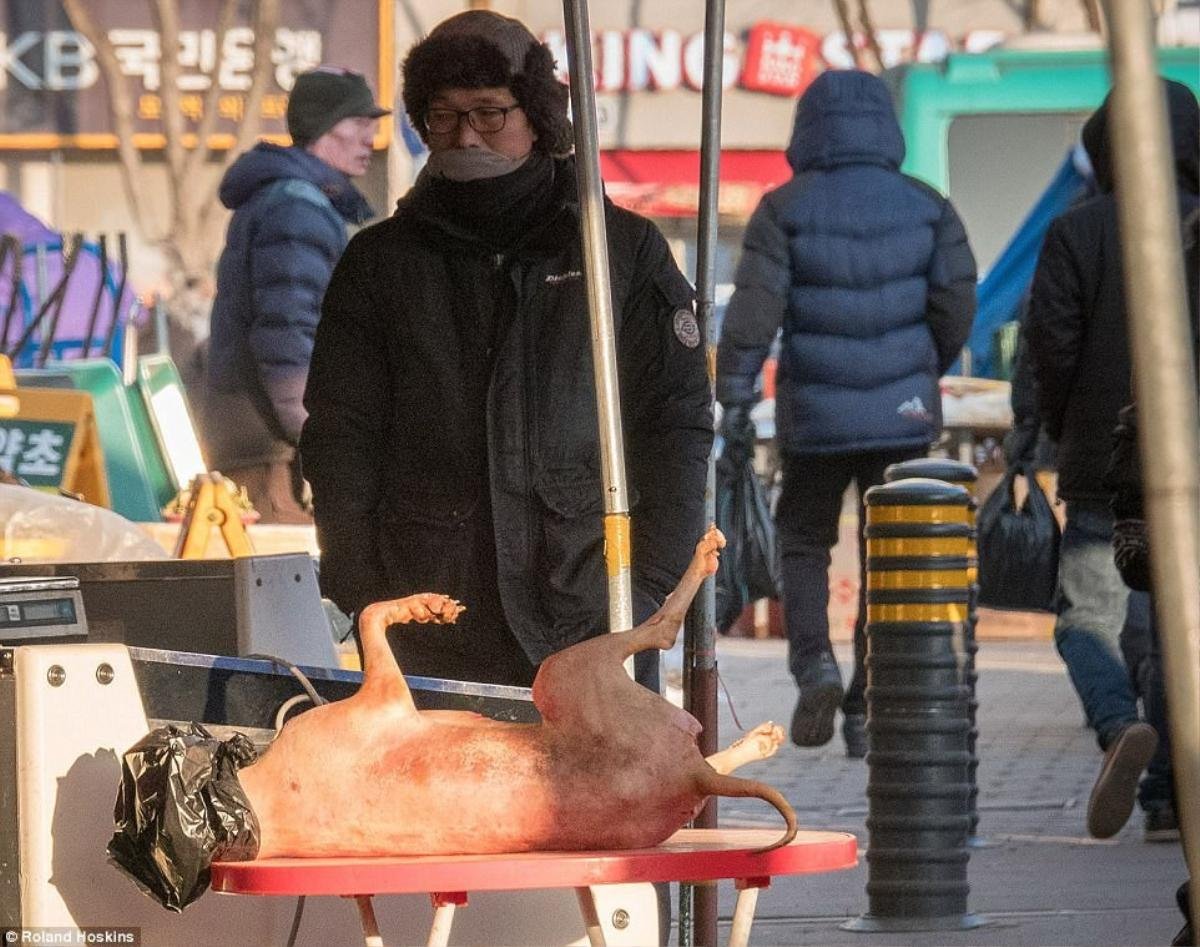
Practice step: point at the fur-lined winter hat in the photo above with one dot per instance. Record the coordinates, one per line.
(480, 49)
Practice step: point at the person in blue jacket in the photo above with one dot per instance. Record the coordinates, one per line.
(291, 207)
(869, 274)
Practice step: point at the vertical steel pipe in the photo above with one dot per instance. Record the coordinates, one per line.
(1165, 388)
(700, 630)
(604, 358)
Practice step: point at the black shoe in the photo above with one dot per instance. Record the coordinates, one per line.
(854, 732)
(1115, 789)
(820, 696)
(1161, 824)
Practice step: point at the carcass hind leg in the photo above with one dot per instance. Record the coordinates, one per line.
(382, 679)
(661, 628)
(759, 744)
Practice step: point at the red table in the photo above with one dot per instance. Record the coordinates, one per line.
(690, 855)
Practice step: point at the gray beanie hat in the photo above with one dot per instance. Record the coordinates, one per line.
(322, 97)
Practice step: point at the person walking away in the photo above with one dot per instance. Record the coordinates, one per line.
(1080, 350)
(291, 207)
(870, 275)
(452, 441)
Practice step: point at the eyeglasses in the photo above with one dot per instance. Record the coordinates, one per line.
(486, 119)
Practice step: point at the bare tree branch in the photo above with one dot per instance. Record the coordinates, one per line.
(1091, 10)
(868, 28)
(843, 14)
(120, 108)
(165, 14)
(266, 20)
(208, 119)
(1033, 15)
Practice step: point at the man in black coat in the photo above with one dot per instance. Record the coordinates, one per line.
(1077, 339)
(452, 441)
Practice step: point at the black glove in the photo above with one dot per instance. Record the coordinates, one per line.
(737, 431)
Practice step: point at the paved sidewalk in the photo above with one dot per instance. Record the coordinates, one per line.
(1039, 879)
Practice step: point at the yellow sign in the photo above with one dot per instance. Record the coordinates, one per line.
(52, 443)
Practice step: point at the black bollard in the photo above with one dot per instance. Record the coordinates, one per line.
(918, 535)
(954, 471)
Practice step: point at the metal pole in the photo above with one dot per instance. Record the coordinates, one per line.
(604, 357)
(700, 630)
(1165, 388)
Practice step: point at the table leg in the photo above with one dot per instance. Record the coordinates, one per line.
(444, 904)
(591, 917)
(366, 916)
(743, 911)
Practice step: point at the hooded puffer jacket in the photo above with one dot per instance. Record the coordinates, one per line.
(290, 212)
(867, 270)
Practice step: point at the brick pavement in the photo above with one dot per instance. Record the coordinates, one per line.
(1038, 879)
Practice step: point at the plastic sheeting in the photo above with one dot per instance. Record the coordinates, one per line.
(36, 526)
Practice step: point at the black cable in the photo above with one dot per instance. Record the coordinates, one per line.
(102, 262)
(291, 942)
(123, 258)
(10, 243)
(70, 261)
(317, 700)
(69, 258)
(299, 675)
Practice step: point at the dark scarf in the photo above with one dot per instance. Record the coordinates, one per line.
(494, 212)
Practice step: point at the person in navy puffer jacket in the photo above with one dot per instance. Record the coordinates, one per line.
(290, 211)
(870, 275)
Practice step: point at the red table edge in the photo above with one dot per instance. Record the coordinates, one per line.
(687, 856)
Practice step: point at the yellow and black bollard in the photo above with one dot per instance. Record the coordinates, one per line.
(954, 471)
(918, 535)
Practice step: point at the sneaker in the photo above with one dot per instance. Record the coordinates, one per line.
(854, 732)
(1115, 789)
(1161, 823)
(820, 696)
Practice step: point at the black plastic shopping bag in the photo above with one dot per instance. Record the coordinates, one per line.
(1018, 546)
(749, 567)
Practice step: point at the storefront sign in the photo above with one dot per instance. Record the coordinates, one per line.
(52, 93)
(776, 58)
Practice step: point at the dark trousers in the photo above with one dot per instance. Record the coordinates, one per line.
(276, 490)
(806, 522)
(1143, 658)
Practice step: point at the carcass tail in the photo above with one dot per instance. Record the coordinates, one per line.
(713, 783)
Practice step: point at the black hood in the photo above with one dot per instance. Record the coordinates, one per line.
(1183, 117)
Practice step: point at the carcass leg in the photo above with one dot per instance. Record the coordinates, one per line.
(382, 679)
(661, 628)
(759, 744)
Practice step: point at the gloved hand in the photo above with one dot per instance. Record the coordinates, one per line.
(737, 431)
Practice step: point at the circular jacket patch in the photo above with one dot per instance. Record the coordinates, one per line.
(687, 330)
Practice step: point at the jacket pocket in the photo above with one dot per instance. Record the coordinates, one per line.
(568, 557)
(430, 510)
(427, 544)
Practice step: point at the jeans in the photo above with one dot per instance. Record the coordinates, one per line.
(1091, 604)
(806, 525)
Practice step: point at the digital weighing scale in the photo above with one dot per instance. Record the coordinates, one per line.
(38, 610)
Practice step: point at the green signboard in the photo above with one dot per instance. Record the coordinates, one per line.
(35, 451)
